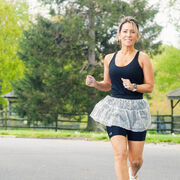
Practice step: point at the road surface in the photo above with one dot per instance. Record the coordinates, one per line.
(59, 159)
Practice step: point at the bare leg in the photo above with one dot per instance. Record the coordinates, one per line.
(119, 144)
(135, 154)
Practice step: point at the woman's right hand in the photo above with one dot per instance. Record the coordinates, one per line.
(90, 81)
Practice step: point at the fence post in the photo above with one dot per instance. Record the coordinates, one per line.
(172, 117)
(158, 121)
(172, 124)
(6, 117)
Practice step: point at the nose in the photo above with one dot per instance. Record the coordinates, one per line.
(129, 34)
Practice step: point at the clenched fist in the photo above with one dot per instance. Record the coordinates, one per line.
(127, 84)
(90, 81)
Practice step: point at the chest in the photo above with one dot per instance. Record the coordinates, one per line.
(127, 68)
(122, 61)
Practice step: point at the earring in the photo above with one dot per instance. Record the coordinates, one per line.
(119, 41)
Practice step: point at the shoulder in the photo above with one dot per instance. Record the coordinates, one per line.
(108, 58)
(143, 58)
(143, 55)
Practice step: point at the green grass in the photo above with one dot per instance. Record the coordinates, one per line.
(163, 138)
(152, 137)
(51, 133)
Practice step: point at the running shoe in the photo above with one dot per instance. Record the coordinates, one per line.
(130, 175)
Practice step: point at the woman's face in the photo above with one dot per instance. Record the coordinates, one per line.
(128, 35)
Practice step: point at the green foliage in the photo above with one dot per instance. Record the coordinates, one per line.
(52, 80)
(97, 22)
(13, 19)
(167, 66)
(56, 54)
(106, 15)
(42, 53)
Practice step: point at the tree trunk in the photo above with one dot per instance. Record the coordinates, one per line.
(91, 126)
(91, 32)
(94, 126)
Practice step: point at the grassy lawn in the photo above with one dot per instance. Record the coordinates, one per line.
(151, 136)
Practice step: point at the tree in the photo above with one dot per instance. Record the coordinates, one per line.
(100, 21)
(14, 19)
(47, 84)
(167, 67)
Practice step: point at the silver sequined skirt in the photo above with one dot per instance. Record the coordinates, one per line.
(131, 114)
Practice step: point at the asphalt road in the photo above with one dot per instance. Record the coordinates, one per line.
(57, 159)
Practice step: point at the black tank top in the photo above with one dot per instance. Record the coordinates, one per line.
(132, 71)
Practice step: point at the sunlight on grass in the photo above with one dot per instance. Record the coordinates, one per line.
(152, 137)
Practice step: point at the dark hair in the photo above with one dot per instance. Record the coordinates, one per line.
(130, 20)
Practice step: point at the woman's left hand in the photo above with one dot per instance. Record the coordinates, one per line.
(127, 84)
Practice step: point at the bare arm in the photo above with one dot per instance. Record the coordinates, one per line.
(104, 85)
(148, 85)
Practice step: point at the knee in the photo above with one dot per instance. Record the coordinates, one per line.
(137, 163)
(121, 156)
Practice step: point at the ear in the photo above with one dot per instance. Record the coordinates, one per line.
(137, 38)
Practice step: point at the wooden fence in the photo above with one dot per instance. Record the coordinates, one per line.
(67, 121)
(165, 123)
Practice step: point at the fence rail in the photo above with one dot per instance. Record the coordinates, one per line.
(165, 123)
(67, 121)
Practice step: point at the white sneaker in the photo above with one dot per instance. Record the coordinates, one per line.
(133, 178)
(130, 175)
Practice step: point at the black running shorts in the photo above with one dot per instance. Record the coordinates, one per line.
(131, 135)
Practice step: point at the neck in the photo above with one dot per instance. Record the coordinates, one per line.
(127, 50)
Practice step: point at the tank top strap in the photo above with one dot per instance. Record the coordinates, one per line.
(137, 55)
(113, 58)
(136, 58)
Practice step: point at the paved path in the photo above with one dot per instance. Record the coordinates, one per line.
(55, 159)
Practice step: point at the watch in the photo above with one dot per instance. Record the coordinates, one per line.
(135, 87)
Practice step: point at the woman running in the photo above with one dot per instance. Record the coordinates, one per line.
(128, 73)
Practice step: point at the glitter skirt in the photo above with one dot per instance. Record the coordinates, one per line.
(131, 114)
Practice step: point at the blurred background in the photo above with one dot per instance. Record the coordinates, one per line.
(47, 47)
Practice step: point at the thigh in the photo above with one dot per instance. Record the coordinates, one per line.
(136, 144)
(119, 144)
(118, 138)
(135, 150)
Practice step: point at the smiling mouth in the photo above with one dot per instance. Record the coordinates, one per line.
(128, 40)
